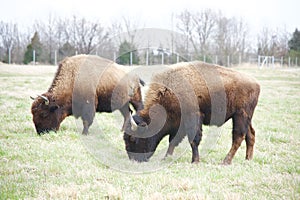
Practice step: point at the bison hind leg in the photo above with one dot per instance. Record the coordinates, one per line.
(240, 128)
(250, 140)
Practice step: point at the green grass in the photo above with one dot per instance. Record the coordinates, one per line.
(66, 165)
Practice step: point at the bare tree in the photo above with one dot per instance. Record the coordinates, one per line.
(231, 38)
(125, 30)
(264, 41)
(9, 36)
(238, 36)
(273, 42)
(87, 35)
(47, 36)
(205, 23)
(185, 26)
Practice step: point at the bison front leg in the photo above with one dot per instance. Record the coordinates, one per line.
(86, 126)
(195, 144)
(126, 114)
(171, 146)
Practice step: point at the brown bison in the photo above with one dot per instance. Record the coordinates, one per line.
(83, 85)
(183, 98)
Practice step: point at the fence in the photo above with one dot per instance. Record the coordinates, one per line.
(156, 56)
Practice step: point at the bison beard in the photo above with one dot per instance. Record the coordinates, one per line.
(83, 85)
(219, 93)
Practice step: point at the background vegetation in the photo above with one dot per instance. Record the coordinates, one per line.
(204, 35)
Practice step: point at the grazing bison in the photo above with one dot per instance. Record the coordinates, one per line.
(183, 98)
(83, 85)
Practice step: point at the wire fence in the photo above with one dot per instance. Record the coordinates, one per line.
(154, 56)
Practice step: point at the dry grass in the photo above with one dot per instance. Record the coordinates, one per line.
(61, 166)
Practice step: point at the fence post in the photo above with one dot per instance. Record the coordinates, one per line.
(296, 61)
(9, 55)
(130, 58)
(228, 60)
(162, 58)
(281, 61)
(55, 57)
(216, 61)
(115, 56)
(289, 61)
(177, 59)
(204, 58)
(147, 57)
(258, 60)
(33, 57)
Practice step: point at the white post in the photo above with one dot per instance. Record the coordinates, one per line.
(33, 57)
(289, 61)
(281, 61)
(162, 58)
(296, 61)
(216, 61)
(177, 59)
(258, 60)
(9, 55)
(240, 59)
(204, 58)
(115, 56)
(130, 58)
(228, 61)
(55, 57)
(147, 57)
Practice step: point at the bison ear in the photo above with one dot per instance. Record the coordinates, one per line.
(142, 124)
(139, 121)
(162, 91)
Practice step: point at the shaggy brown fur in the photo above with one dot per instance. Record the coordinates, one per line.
(193, 94)
(83, 85)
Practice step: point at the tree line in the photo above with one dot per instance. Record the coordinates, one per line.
(203, 34)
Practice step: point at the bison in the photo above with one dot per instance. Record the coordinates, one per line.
(183, 98)
(83, 85)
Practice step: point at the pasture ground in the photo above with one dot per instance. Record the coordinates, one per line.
(59, 166)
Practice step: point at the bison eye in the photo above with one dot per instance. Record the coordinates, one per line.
(53, 108)
(44, 114)
(132, 138)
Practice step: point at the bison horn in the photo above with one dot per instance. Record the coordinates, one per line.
(32, 98)
(45, 99)
(134, 126)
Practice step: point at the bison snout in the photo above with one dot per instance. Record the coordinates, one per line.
(42, 131)
(139, 157)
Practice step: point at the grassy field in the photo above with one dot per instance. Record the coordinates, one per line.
(63, 166)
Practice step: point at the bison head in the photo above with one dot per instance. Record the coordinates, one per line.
(138, 148)
(47, 115)
(143, 133)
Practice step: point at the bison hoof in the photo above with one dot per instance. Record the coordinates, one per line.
(195, 162)
(85, 132)
(226, 162)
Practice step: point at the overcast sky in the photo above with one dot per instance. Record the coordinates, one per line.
(153, 13)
